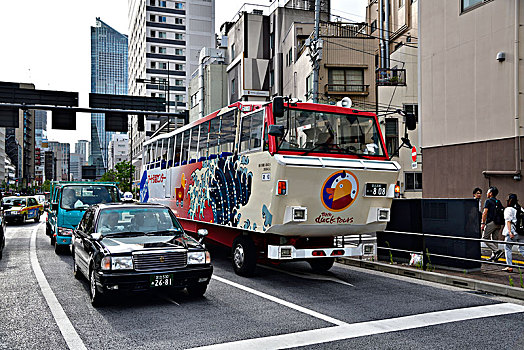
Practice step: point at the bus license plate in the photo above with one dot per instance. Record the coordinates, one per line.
(161, 280)
(375, 190)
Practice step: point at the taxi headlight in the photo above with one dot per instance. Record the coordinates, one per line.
(122, 263)
(196, 258)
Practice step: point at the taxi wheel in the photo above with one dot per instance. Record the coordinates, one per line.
(97, 298)
(76, 272)
(197, 290)
(321, 264)
(244, 256)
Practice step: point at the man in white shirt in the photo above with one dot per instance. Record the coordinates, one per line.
(510, 229)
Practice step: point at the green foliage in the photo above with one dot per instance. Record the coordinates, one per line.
(120, 174)
(46, 186)
(511, 283)
(521, 279)
(390, 255)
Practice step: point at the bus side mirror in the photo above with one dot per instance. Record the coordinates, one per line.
(411, 121)
(278, 107)
(276, 130)
(54, 206)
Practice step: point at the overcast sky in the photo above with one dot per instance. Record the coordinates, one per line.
(47, 43)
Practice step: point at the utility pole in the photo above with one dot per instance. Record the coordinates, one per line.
(316, 51)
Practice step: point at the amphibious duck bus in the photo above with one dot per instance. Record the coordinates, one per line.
(275, 181)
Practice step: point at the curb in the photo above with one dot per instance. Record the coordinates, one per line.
(461, 282)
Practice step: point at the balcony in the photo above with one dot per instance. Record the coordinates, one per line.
(347, 89)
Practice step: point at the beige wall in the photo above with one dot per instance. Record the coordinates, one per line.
(467, 95)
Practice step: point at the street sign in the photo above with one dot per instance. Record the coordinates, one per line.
(414, 165)
(414, 154)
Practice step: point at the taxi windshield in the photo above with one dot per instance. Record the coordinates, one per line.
(80, 197)
(137, 220)
(314, 131)
(15, 202)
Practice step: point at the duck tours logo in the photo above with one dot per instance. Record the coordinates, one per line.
(339, 190)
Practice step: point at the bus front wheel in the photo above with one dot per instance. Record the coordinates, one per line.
(244, 256)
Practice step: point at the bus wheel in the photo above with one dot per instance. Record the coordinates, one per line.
(244, 256)
(321, 264)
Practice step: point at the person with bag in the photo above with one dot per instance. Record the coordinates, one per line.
(492, 220)
(513, 229)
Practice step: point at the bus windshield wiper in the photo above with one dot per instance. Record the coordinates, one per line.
(334, 146)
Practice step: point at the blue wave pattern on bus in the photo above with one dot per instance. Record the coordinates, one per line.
(228, 187)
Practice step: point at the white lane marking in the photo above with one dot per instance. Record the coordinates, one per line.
(281, 301)
(169, 300)
(354, 330)
(309, 276)
(64, 324)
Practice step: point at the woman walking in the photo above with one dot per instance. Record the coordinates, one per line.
(511, 214)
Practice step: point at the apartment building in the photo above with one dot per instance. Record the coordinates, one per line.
(118, 149)
(165, 41)
(397, 58)
(61, 159)
(471, 106)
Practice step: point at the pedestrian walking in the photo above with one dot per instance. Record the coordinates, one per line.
(492, 220)
(513, 217)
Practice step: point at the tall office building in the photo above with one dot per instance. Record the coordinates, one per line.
(40, 136)
(108, 76)
(82, 147)
(62, 160)
(165, 40)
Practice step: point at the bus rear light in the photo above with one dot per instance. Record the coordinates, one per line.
(282, 187)
(337, 252)
(397, 191)
(318, 253)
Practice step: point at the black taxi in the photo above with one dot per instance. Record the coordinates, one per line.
(137, 246)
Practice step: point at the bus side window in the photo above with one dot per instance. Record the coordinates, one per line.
(214, 128)
(227, 134)
(185, 147)
(202, 142)
(193, 151)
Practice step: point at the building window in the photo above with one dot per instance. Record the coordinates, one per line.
(179, 20)
(162, 19)
(179, 36)
(163, 65)
(290, 57)
(271, 41)
(309, 87)
(346, 80)
(153, 49)
(152, 18)
(413, 181)
(162, 50)
(400, 3)
(179, 5)
(153, 33)
(179, 82)
(233, 53)
(233, 86)
(179, 98)
(391, 134)
(271, 78)
(162, 35)
(163, 3)
(469, 4)
(152, 2)
(179, 66)
(179, 52)
(153, 65)
(373, 26)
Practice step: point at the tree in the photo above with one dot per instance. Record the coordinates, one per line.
(121, 174)
(46, 186)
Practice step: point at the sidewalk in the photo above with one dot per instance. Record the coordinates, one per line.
(489, 279)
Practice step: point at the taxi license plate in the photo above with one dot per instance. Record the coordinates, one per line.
(161, 280)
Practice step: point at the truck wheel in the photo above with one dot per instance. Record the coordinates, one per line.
(321, 264)
(244, 256)
(197, 290)
(58, 248)
(53, 239)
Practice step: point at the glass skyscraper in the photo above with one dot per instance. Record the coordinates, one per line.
(108, 76)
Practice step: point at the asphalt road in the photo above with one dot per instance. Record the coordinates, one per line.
(281, 307)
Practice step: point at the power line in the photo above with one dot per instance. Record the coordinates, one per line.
(353, 49)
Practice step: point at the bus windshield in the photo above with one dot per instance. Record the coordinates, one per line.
(80, 197)
(314, 131)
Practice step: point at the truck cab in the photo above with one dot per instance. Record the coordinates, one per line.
(69, 201)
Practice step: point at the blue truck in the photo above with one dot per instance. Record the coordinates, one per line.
(69, 201)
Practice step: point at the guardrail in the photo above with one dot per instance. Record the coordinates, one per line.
(426, 255)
